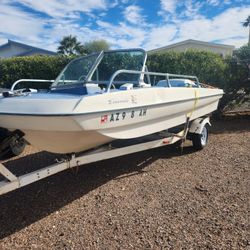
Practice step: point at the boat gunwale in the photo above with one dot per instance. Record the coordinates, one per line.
(107, 111)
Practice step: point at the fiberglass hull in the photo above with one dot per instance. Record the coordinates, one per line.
(75, 124)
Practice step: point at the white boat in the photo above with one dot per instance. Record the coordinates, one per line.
(103, 97)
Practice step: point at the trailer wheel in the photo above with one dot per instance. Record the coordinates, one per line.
(200, 140)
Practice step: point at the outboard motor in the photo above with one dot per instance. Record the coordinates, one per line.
(11, 143)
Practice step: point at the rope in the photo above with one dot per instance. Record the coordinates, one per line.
(195, 104)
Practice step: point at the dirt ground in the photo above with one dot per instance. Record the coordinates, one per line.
(158, 199)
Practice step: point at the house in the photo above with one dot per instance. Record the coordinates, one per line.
(222, 49)
(12, 48)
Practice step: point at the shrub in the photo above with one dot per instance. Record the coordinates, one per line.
(30, 67)
(207, 66)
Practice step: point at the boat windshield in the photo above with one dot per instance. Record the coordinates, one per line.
(100, 67)
(76, 71)
(117, 60)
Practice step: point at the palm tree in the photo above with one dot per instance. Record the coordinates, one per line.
(70, 46)
(246, 23)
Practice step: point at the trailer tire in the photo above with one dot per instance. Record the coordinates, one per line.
(200, 140)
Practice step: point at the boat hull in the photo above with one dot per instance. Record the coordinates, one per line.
(99, 119)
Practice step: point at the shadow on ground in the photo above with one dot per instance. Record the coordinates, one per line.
(29, 204)
(230, 125)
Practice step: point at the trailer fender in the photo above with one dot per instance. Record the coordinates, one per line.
(198, 124)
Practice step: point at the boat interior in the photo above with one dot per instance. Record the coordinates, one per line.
(108, 71)
(116, 70)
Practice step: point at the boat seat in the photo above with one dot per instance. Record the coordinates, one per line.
(93, 88)
(144, 85)
(126, 86)
(162, 83)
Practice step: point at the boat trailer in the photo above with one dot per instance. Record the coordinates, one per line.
(192, 130)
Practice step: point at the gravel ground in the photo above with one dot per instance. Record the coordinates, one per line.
(158, 199)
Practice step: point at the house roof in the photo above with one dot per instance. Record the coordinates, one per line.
(191, 41)
(30, 49)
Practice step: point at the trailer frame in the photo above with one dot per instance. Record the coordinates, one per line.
(164, 138)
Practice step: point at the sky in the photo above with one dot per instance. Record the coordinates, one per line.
(147, 24)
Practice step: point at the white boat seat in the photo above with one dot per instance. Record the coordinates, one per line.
(145, 85)
(177, 83)
(126, 86)
(162, 83)
(93, 88)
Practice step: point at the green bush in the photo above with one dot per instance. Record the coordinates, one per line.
(237, 75)
(229, 74)
(30, 67)
(208, 67)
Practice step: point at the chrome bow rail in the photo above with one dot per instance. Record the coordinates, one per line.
(28, 80)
